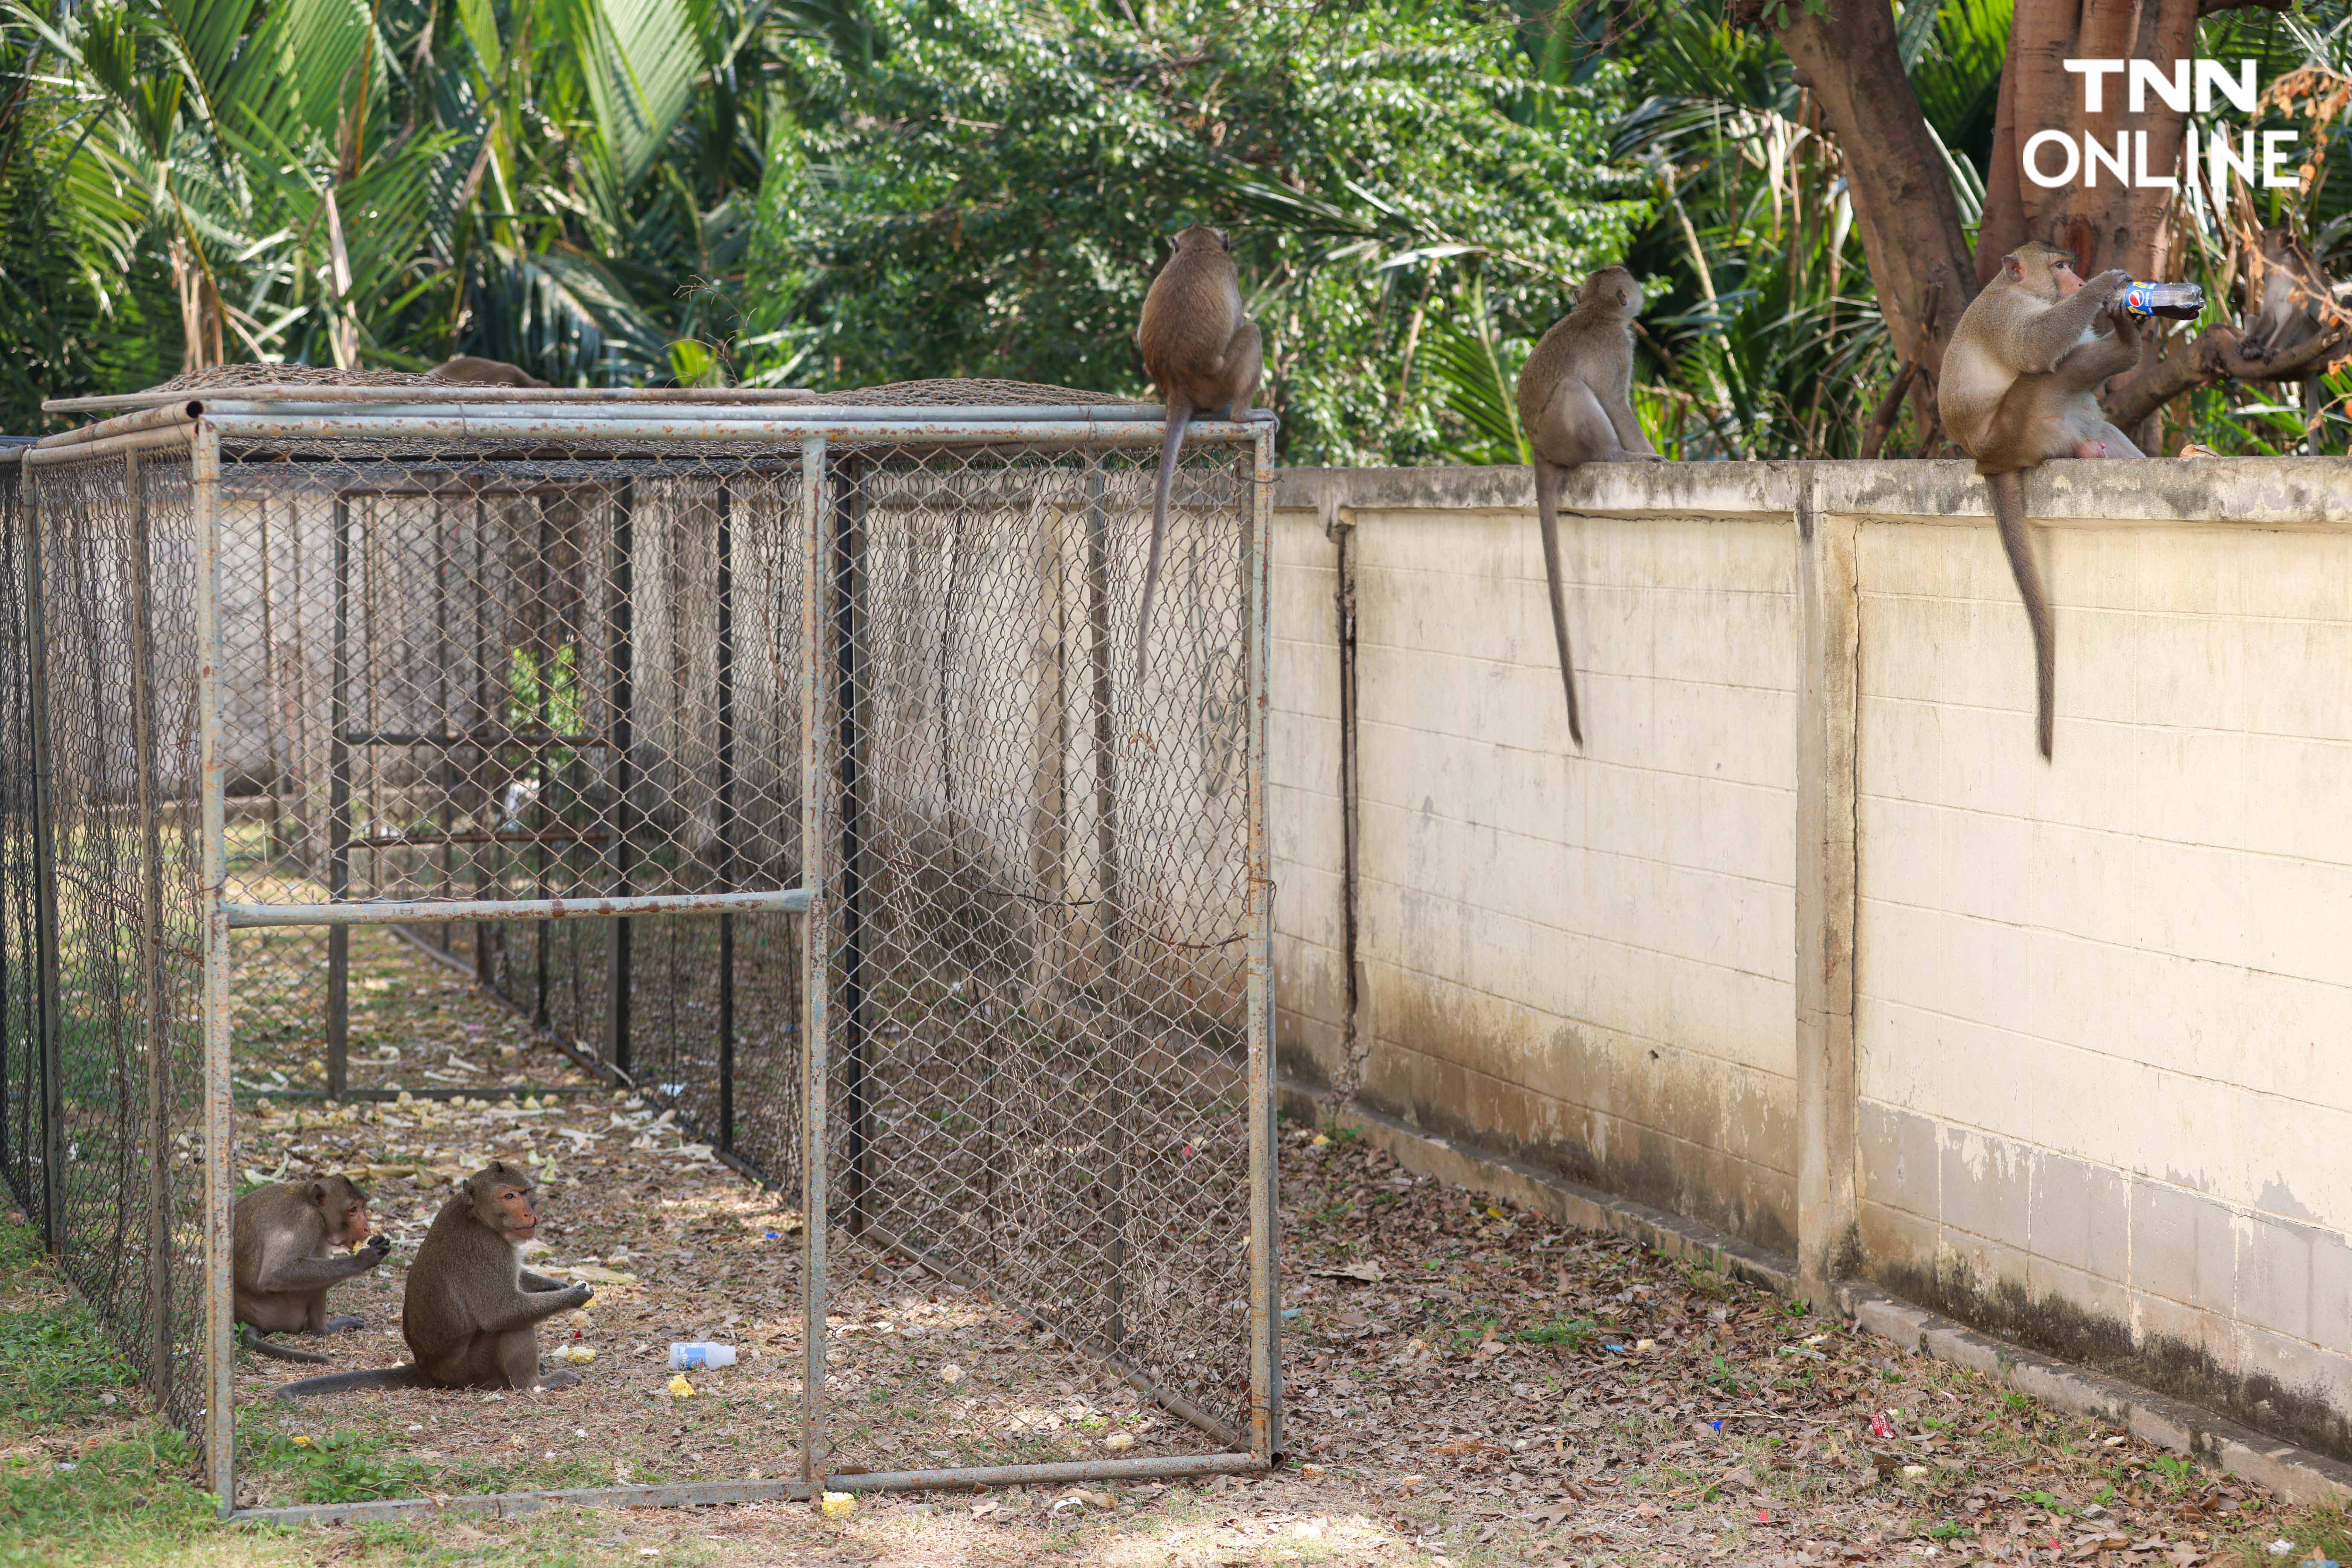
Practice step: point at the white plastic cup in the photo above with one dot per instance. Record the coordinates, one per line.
(690, 1357)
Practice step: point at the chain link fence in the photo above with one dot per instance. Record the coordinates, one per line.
(479, 677)
(102, 902)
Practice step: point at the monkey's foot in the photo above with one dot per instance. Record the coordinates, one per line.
(343, 1323)
(558, 1379)
(2090, 448)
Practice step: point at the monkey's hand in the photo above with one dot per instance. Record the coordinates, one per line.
(2110, 283)
(579, 1294)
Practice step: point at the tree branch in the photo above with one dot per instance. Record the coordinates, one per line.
(2214, 357)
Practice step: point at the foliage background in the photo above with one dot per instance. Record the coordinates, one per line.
(830, 193)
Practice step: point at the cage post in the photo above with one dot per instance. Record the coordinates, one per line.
(1265, 1285)
(815, 959)
(339, 808)
(624, 739)
(45, 878)
(151, 939)
(725, 814)
(848, 548)
(220, 1190)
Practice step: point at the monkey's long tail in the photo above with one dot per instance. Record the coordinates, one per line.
(2008, 513)
(1547, 520)
(1180, 413)
(337, 1383)
(253, 1340)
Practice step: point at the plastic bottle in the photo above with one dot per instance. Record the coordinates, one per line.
(688, 1357)
(2178, 301)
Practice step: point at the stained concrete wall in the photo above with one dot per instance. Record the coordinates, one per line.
(1807, 940)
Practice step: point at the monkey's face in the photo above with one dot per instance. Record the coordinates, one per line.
(2045, 269)
(345, 1208)
(501, 1198)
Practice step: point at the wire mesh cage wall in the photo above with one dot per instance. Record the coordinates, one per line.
(796, 767)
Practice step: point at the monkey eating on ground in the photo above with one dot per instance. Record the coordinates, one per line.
(485, 372)
(1205, 356)
(2020, 386)
(1575, 406)
(471, 1309)
(291, 1243)
(2295, 293)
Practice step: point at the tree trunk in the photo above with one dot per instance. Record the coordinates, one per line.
(1902, 191)
(2112, 223)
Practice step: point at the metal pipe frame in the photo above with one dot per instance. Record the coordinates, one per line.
(161, 438)
(176, 409)
(1265, 1218)
(220, 1174)
(824, 521)
(708, 1494)
(573, 431)
(408, 911)
(815, 935)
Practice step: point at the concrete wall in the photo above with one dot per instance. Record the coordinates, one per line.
(1807, 940)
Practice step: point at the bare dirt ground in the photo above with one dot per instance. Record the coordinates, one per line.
(1466, 1384)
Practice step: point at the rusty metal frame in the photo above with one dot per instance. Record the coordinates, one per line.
(201, 428)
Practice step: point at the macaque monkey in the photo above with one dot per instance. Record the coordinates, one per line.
(1575, 404)
(485, 372)
(470, 1310)
(2295, 293)
(2020, 386)
(1204, 355)
(291, 1243)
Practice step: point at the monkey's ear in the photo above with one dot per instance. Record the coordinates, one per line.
(318, 1192)
(2012, 268)
(1226, 239)
(1623, 298)
(498, 1168)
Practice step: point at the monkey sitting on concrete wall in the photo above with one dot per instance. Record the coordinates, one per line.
(1576, 407)
(2020, 386)
(471, 1309)
(1205, 356)
(291, 1243)
(2294, 297)
(485, 372)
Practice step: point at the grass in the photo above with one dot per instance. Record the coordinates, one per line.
(83, 1477)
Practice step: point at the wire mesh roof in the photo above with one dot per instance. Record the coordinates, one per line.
(961, 392)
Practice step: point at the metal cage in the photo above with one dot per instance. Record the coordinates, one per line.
(791, 764)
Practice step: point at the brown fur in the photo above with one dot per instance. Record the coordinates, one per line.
(2295, 293)
(470, 1312)
(2020, 384)
(1576, 407)
(485, 373)
(290, 1244)
(1206, 357)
